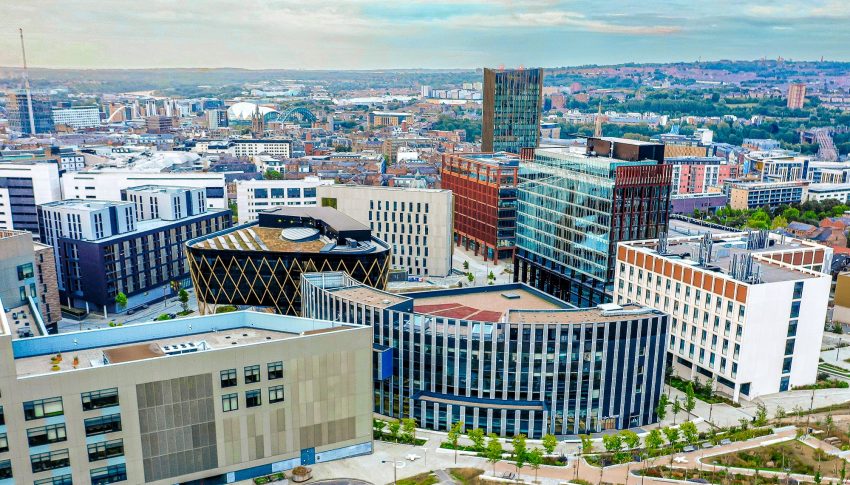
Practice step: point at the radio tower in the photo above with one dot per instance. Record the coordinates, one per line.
(27, 84)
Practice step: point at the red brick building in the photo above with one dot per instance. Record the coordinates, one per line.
(484, 187)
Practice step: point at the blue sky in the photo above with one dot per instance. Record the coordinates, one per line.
(371, 34)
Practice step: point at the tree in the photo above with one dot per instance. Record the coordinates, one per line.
(780, 413)
(586, 443)
(550, 442)
(654, 441)
(661, 409)
(183, 298)
(535, 459)
(379, 426)
(520, 451)
(828, 422)
(454, 435)
(476, 435)
(630, 439)
(778, 222)
(817, 477)
(760, 418)
(491, 276)
(677, 408)
(466, 265)
(689, 430)
(394, 426)
(798, 411)
(690, 399)
(791, 214)
(494, 451)
(409, 430)
(672, 435)
(121, 299)
(612, 443)
(272, 174)
(470, 277)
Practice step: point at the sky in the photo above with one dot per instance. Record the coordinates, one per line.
(371, 34)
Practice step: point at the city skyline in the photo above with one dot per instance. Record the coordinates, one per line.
(368, 34)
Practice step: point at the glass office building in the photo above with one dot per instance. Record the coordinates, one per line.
(573, 208)
(507, 359)
(513, 103)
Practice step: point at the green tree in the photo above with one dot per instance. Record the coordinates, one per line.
(466, 265)
(689, 430)
(690, 399)
(661, 409)
(778, 222)
(535, 459)
(761, 415)
(520, 451)
(839, 210)
(630, 439)
(477, 437)
(183, 298)
(818, 478)
(654, 442)
(791, 214)
(470, 277)
(394, 426)
(671, 435)
(677, 408)
(550, 442)
(586, 443)
(379, 427)
(494, 451)
(121, 299)
(272, 174)
(780, 413)
(454, 436)
(409, 430)
(612, 443)
(828, 423)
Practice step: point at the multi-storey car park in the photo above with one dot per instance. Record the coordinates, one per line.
(507, 359)
(259, 264)
(747, 309)
(212, 399)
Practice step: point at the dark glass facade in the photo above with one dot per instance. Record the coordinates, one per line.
(484, 188)
(513, 103)
(19, 119)
(573, 209)
(592, 371)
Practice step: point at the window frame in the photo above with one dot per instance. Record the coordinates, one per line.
(251, 395)
(252, 374)
(231, 399)
(273, 391)
(276, 368)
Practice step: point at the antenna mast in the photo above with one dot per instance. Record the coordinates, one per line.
(27, 84)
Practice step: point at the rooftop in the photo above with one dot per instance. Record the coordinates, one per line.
(499, 158)
(486, 304)
(599, 314)
(726, 248)
(96, 348)
(87, 205)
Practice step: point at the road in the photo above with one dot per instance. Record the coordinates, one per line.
(96, 320)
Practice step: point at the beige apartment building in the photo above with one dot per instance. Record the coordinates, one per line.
(416, 223)
(219, 398)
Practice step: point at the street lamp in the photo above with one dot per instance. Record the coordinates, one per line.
(425, 462)
(396, 465)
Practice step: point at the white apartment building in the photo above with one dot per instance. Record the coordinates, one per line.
(416, 223)
(108, 184)
(212, 399)
(80, 117)
(23, 186)
(254, 196)
(249, 148)
(824, 191)
(166, 203)
(751, 320)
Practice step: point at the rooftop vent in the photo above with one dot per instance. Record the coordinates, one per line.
(511, 296)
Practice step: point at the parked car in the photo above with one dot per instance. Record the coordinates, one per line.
(688, 449)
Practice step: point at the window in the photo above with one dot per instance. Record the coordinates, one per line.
(43, 435)
(798, 290)
(230, 402)
(99, 399)
(253, 398)
(2, 416)
(60, 480)
(228, 378)
(43, 408)
(789, 346)
(25, 271)
(795, 309)
(276, 370)
(103, 424)
(4, 442)
(106, 449)
(786, 365)
(275, 394)
(792, 328)
(252, 374)
(109, 474)
(50, 460)
(5, 468)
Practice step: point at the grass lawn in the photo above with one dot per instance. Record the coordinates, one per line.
(421, 479)
(466, 476)
(792, 455)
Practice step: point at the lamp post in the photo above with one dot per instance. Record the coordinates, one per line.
(396, 465)
(425, 462)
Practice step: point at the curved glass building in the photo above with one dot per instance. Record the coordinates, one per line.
(260, 264)
(508, 359)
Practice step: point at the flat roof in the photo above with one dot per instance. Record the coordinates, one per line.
(488, 304)
(330, 216)
(369, 295)
(96, 348)
(583, 315)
